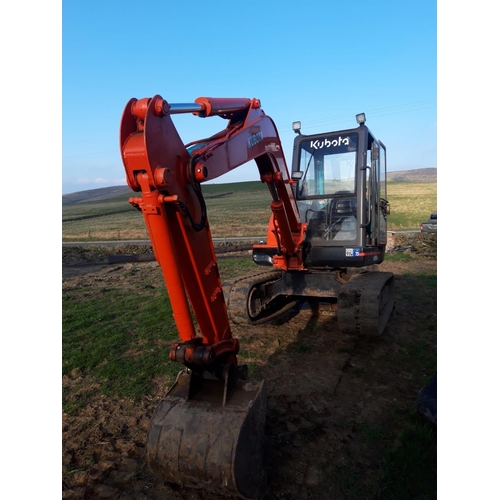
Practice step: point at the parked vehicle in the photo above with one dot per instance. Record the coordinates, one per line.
(430, 226)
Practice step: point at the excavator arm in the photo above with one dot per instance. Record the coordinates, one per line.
(168, 174)
(252, 135)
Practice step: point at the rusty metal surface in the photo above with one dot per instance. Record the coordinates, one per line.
(200, 443)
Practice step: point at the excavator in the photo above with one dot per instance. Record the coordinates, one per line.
(326, 233)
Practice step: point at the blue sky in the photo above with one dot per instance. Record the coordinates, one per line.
(320, 62)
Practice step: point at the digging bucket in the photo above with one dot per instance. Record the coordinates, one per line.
(201, 442)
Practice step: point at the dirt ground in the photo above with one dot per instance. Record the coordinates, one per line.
(335, 403)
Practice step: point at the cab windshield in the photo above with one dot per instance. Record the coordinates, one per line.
(326, 193)
(328, 165)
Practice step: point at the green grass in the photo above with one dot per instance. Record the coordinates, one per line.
(301, 348)
(244, 210)
(372, 435)
(410, 467)
(411, 204)
(233, 267)
(422, 279)
(244, 213)
(398, 257)
(407, 470)
(235, 187)
(121, 338)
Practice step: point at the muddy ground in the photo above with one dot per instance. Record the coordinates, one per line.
(337, 404)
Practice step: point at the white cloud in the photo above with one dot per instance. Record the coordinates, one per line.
(86, 180)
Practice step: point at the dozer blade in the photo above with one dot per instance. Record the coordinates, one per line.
(200, 441)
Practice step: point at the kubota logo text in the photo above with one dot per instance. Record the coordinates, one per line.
(326, 143)
(254, 139)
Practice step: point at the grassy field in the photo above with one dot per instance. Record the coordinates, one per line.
(128, 340)
(117, 335)
(130, 331)
(411, 204)
(238, 209)
(117, 329)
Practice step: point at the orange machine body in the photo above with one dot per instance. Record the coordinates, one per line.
(168, 175)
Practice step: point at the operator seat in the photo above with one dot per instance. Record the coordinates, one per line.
(345, 207)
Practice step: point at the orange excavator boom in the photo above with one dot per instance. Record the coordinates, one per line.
(158, 164)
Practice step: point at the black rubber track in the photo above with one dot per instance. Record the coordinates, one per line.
(244, 304)
(366, 303)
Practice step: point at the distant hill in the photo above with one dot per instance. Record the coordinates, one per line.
(101, 194)
(416, 175)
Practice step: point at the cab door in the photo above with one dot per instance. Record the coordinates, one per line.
(382, 196)
(378, 194)
(372, 191)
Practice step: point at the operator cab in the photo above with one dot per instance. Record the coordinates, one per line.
(341, 195)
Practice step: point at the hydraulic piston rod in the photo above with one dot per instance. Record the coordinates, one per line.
(209, 106)
(178, 108)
